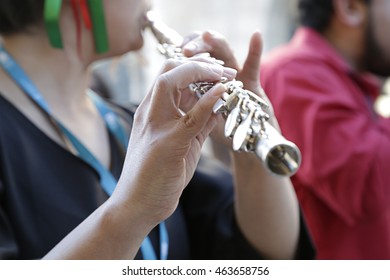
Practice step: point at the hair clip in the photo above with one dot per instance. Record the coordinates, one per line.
(51, 15)
(84, 10)
(52, 10)
(96, 10)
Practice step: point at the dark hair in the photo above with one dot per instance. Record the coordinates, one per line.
(19, 15)
(316, 13)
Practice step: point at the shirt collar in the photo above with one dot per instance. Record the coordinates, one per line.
(311, 41)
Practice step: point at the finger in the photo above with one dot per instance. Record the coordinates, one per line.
(167, 66)
(251, 68)
(192, 71)
(190, 37)
(170, 85)
(213, 43)
(220, 48)
(198, 118)
(196, 46)
(170, 64)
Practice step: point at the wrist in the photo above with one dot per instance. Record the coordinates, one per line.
(125, 211)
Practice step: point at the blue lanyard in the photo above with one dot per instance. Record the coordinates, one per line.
(111, 119)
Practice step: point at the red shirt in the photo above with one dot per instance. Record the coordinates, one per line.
(343, 184)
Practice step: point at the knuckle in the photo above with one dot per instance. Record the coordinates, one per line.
(163, 82)
(169, 64)
(194, 66)
(189, 121)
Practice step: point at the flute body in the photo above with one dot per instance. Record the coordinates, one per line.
(245, 112)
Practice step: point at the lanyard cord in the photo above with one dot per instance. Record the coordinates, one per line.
(107, 180)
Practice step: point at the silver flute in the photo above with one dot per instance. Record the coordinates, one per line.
(245, 112)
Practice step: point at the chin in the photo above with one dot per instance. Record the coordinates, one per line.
(116, 51)
(134, 44)
(137, 45)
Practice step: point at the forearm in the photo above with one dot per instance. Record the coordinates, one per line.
(111, 232)
(266, 208)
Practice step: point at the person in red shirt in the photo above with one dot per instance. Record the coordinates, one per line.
(83, 178)
(322, 87)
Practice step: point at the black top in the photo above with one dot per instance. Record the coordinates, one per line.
(46, 191)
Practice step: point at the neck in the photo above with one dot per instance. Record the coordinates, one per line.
(60, 76)
(348, 42)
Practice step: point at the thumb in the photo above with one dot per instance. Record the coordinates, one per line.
(195, 121)
(251, 68)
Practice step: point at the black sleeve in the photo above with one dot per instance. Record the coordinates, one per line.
(8, 245)
(305, 249)
(208, 206)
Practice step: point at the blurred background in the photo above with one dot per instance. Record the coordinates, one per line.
(130, 76)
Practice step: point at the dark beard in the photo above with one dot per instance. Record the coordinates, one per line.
(374, 59)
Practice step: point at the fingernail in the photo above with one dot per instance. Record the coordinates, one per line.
(218, 89)
(229, 73)
(212, 33)
(190, 47)
(204, 55)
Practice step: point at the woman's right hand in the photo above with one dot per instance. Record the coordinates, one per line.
(165, 144)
